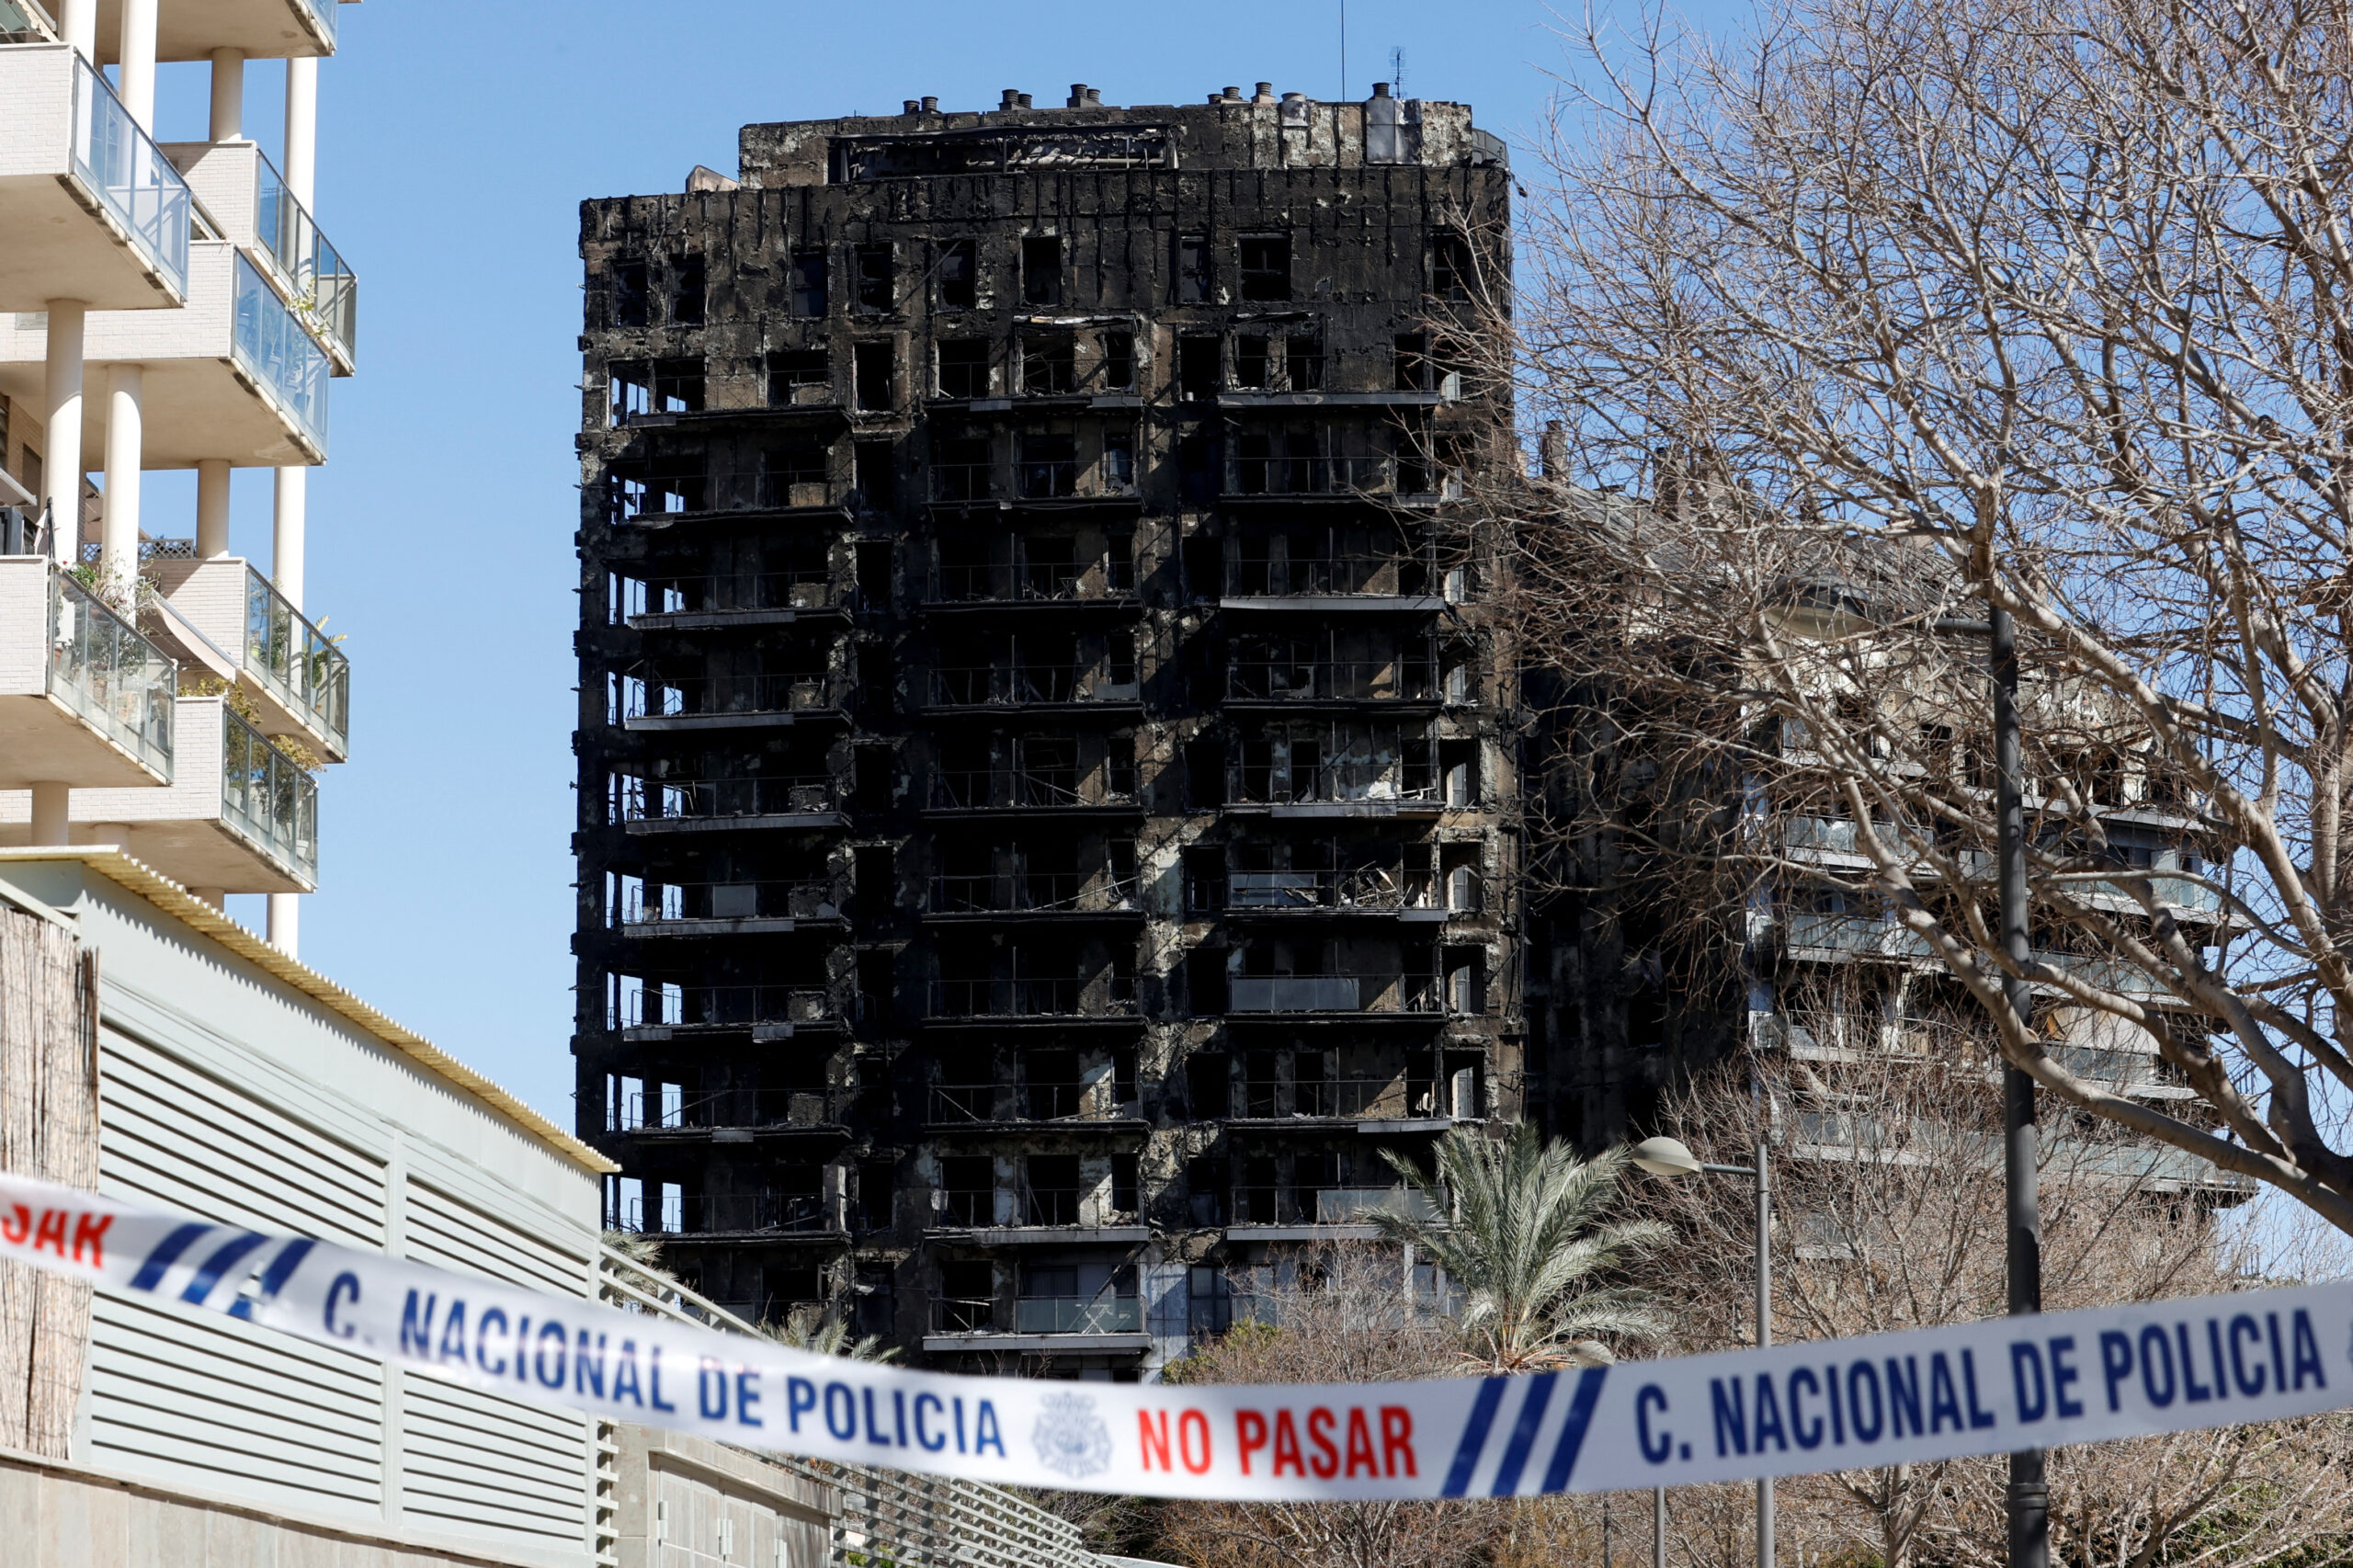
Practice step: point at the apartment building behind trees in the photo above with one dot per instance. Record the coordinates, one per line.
(1045, 750)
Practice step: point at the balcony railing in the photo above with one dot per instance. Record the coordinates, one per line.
(296, 662)
(953, 1103)
(1031, 998)
(325, 291)
(1014, 685)
(1072, 1314)
(1014, 789)
(322, 14)
(723, 1007)
(1857, 936)
(1371, 888)
(266, 799)
(1050, 1204)
(101, 667)
(1324, 1205)
(278, 351)
(680, 799)
(714, 696)
(730, 1213)
(120, 164)
(1036, 892)
(642, 1112)
(652, 904)
(1337, 993)
(1395, 680)
(1340, 781)
(962, 482)
(1350, 1099)
(1033, 582)
(1310, 476)
(1381, 576)
(962, 1314)
(746, 594)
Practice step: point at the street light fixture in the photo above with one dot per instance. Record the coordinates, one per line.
(1668, 1157)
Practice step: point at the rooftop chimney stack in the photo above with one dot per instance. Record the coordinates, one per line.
(1012, 99)
(1025, 100)
(930, 104)
(1077, 96)
(1381, 89)
(1265, 95)
(913, 106)
(1093, 97)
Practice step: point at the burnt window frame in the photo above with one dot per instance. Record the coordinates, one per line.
(690, 292)
(781, 379)
(1049, 364)
(629, 292)
(945, 288)
(1194, 270)
(1033, 246)
(1258, 282)
(985, 362)
(874, 292)
(798, 288)
(862, 352)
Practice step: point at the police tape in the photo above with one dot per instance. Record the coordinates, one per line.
(1928, 1394)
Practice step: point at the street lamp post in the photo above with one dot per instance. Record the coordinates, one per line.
(1668, 1157)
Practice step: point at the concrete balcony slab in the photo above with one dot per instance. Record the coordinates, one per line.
(84, 699)
(91, 210)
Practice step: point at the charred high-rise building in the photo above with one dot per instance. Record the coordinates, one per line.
(1045, 758)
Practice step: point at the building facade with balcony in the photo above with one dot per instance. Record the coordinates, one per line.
(163, 305)
(1046, 752)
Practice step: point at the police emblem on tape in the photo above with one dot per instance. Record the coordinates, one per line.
(1071, 1437)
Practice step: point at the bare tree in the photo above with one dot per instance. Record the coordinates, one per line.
(1889, 1170)
(1900, 310)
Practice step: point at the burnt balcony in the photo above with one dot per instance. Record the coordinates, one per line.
(1413, 994)
(1070, 1107)
(656, 1011)
(1305, 682)
(817, 1113)
(1332, 1213)
(1027, 685)
(654, 805)
(648, 908)
(783, 1214)
(1253, 477)
(1024, 583)
(1390, 1104)
(1340, 581)
(1363, 890)
(653, 703)
(721, 601)
(1014, 790)
(1035, 892)
(1061, 997)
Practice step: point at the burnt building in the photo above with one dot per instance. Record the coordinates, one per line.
(1045, 751)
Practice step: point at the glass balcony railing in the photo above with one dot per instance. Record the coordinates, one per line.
(120, 164)
(102, 668)
(290, 657)
(277, 350)
(325, 291)
(266, 799)
(1071, 1315)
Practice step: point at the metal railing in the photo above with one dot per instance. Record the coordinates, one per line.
(963, 482)
(743, 594)
(885, 1517)
(1366, 1099)
(326, 290)
(723, 1214)
(723, 1007)
(954, 1103)
(640, 1111)
(1348, 781)
(267, 800)
(654, 903)
(122, 167)
(296, 662)
(1011, 789)
(962, 1314)
(321, 12)
(102, 668)
(1856, 936)
(1033, 582)
(1377, 888)
(1323, 1206)
(1310, 476)
(278, 351)
(1014, 685)
(649, 698)
(1075, 1315)
(1286, 680)
(636, 798)
(1061, 997)
(1050, 1204)
(1336, 993)
(1381, 576)
(1036, 891)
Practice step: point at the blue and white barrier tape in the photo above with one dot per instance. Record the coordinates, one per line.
(1936, 1394)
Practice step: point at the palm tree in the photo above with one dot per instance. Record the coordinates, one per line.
(1527, 1245)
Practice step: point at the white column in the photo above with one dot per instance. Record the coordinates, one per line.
(228, 94)
(107, 835)
(286, 534)
(302, 127)
(211, 507)
(118, 550)
(49, 819)
(79, 23)
(61, 474)
(138, 87)
(284, 931)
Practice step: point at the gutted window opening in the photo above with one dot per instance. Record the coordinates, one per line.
(964, 368)
(1266, 267)
(631, 293)
(1193, 269)
(875, 288)
(686, 291)
(809, 282)
(799, 377)
(1042, 269)
(876, 366)
(1048, 365)
(958, 277)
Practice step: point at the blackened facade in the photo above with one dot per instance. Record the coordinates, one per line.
(1045, 756)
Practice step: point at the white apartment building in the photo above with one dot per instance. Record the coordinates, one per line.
(164, 305)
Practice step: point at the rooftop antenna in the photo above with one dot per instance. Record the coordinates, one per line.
(1397, 70)
(1343, 52)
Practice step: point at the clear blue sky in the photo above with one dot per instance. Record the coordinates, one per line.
(454, 148)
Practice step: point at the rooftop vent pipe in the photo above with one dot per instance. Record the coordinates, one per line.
(1265, 95)
(1077, 96)
(1012, 99)
(930, 104)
